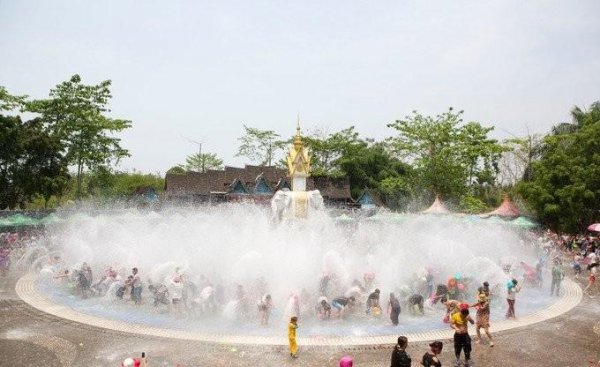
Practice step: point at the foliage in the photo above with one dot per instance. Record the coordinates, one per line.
(103, 183)
(367, 165)
(200, 162)
(31, 163)
(472, 204)
(565, 187)
(260, 146)
(558, 175)
(515, 163)
(76, 114)
(579, 119)
(327, 150)
(177, 170)
(449, 157)
(9, 102)
(396, 191)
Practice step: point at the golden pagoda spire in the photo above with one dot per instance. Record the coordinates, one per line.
(298, 159)
(298, 144)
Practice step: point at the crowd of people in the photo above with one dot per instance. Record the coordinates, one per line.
(182, 293)
(13, 245)
(583, 254)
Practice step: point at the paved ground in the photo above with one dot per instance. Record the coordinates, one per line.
(29, 337)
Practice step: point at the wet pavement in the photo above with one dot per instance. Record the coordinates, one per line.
(357, 325)
(29, 337)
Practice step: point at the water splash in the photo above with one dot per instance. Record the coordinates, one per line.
(236, 245)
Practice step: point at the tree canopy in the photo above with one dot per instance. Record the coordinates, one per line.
(449, 157)
(31, 158)
(556, 175)
(260, 146)
(564, 190)
(76, 113)
(200, 162)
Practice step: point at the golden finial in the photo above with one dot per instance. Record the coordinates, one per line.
(298, 138)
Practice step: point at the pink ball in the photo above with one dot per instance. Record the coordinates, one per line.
(346, 362)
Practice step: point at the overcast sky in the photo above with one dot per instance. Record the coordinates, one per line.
(200, 69)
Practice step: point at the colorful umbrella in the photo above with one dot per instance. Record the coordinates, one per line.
(594, 227)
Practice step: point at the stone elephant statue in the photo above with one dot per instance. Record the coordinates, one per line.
(287, 204)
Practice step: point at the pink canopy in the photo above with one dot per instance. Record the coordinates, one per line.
(437, 207)
(506, 209)
(594, 227)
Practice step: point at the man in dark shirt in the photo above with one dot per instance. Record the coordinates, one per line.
(399, 356)
(373, 300)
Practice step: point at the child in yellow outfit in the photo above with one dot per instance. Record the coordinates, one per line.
(292, 326)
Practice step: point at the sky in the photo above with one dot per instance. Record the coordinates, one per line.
(200, 70)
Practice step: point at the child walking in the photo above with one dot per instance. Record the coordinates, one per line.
(292, 326)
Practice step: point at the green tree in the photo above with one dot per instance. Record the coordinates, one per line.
(260, 146)
(472, 204)
(11, 152)
(396, 191)
(326, 150)
(200, 162)
(515, 163)
(176, 170)
(31, 162)
(77, 114)
(9, 102)
(45, 165)
(480, 154)
(368, 165)
(449, 157)
(564, 190)
(579, 118)
(104, 184)
(127, 182)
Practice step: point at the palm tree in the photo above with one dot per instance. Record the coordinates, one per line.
(580, 118)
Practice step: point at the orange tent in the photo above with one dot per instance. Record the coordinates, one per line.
(506, 209)
(437, 207)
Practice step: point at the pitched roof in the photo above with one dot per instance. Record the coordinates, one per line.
(238, 187)
(506, 209)
(369, 197)
(196, 183)
(437, 207)
(330, 187)
(261, 186)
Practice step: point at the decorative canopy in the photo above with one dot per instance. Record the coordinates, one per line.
(506, 209)
(369, 199)
(437, 207)
(261, 186)
(238, 187)
(524, 222)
